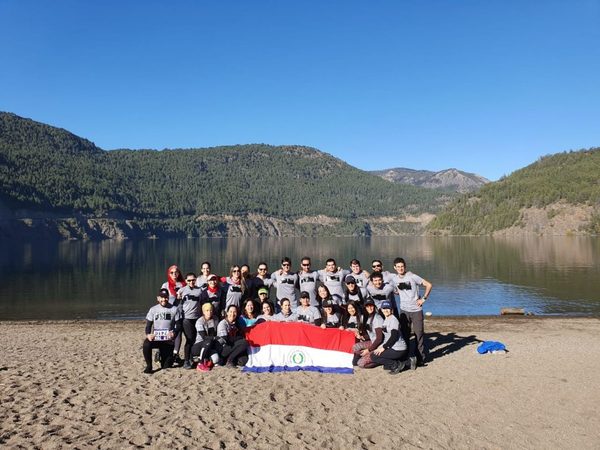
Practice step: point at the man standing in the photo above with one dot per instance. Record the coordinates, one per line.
(261, 279)
(360, 276)
(333, 278)
(307, 280)
(379, 291)
(285, 281)
(377, 267)
(411, 306)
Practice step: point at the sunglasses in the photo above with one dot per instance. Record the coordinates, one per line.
(235, 270)
(376, 265)
(305, 265)
(262, 269)
(286, 265)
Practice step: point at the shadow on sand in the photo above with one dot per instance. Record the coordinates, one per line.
(442, 344)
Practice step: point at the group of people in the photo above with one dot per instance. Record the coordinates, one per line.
(211, 313)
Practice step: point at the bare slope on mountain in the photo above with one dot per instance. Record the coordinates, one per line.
(450, 179)
(558, 194)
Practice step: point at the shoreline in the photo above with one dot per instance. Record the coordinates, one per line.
(80, 384)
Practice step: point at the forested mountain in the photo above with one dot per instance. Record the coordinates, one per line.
(189, 191)
(555, 188)
(450, 179)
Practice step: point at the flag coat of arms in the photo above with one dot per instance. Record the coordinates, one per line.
(292, 346)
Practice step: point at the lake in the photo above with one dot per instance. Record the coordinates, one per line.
(471, 275)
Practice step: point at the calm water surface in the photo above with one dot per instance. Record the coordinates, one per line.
(471, 276)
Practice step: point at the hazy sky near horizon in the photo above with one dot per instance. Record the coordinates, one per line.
(483, 86)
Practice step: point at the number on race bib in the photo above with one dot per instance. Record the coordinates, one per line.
(161, 335)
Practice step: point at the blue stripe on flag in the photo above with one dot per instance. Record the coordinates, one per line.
(346, 370)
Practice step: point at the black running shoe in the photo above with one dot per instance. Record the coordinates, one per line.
(148, 369)
(399, 368)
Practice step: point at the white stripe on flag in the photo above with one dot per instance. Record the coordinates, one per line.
(297, 356)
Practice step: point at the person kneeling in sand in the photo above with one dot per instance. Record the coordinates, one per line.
(373, 323)
(204, 349)
(231, 344)
(162, 326)
(392, 354)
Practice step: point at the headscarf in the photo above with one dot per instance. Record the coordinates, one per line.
(173, 283)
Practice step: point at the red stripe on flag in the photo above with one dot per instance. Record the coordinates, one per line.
(294, 333)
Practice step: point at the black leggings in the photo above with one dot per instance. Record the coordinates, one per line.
(204, 348)
(164, 347)
(189, 330)
(235, 352)
(389, 357)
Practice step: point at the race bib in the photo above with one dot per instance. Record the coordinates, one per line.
(161, 335)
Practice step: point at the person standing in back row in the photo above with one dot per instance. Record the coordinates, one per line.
(411, 306)
(285, 281)
(333, 278)
(307, 280)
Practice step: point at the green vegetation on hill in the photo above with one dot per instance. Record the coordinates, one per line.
(46, 168)
(572, 177)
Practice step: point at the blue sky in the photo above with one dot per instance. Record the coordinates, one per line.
(483, 86)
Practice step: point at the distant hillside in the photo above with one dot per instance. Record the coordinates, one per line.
(449, 179)
(61, 181)
(558, 194)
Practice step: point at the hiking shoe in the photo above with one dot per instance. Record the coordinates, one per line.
(187, 364)
(167, 364)
(202, 368)
(413, 362)
(399, 368)
(148, 369)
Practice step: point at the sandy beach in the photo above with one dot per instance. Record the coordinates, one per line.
(80, 385)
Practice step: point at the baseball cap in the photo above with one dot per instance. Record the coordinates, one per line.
(263, 291)
(164, 293)
(385, 305)
(350, 279)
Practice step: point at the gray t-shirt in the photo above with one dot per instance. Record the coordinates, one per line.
(379, 295)
(352, 323)
(407, 288)
(233, 294)
(307, 281)
(189, 303)
(202, 282)
(332, 321)
(334, 281)
(308, 314)
(373, 322)
(362, 281)
(227, 330)
(173, 300)
(391, 323)
(286, 286)
(280, 317)
(163, 320)
(206, 328)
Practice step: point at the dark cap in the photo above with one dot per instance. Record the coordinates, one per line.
(385, 305)
(350, 279)
(164, 293)
(369, 301)
(304, 294)
(328, 303)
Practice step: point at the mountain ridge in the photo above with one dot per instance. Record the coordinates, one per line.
(448, 179)
(163, 192)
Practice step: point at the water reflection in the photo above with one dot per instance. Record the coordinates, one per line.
(476, 275)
